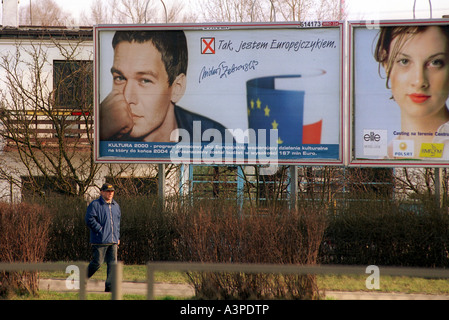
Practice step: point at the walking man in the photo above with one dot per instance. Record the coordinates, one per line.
(103, 220)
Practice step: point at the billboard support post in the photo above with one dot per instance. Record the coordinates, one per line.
(293, 187)
(161, 182)
(438, 187)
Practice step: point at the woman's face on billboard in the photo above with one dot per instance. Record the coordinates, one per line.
(419, 76)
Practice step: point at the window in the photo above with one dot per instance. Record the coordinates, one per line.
(73, 84)
(41, 186)
(214, 181)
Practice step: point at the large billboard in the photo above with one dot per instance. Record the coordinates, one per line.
(222, 93)
(399, 87)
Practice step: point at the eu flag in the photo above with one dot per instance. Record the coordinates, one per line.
(270, 108)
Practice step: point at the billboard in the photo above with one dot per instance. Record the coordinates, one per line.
(399, 87)
(219, 94)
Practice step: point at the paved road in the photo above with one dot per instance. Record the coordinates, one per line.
(184, 290)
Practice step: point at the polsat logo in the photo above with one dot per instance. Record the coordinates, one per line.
(403, 148)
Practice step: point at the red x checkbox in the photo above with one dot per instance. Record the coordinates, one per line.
(208, 45)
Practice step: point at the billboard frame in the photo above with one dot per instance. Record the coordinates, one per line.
(228, 26)
(352, 160)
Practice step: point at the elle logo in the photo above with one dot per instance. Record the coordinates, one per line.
(375, 142)
(372, 137)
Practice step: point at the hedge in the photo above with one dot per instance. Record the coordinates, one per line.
(380, 232)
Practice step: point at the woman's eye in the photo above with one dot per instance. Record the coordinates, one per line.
(403, 61)
(437, 63)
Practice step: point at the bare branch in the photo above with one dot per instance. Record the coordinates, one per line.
(33, 125)
(44, 13)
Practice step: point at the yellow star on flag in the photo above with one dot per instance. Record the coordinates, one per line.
(267, 111)
(259, 103)
(274, 124)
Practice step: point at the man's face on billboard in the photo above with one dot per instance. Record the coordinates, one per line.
(139, 74)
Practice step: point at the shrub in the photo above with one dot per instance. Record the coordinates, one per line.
(146, 231)
(211, 233)
(69, 235)
(384, 232)
(23, 238)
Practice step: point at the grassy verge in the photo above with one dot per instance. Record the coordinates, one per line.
(325, 282)
(387, 284)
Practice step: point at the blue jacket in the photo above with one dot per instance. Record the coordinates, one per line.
(103, 221)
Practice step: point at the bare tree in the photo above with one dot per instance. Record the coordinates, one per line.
(44, 140)
(331, 10)
(134, 11)
(235, 10)
(420, 183)
(44, 13)
(271, 10)
(99, 13)
(295, 10)
(137, 11)
(308, 10)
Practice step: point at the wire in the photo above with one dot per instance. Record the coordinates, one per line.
(430, 8)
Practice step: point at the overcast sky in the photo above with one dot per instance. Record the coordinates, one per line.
(396, 9)
(357, 9)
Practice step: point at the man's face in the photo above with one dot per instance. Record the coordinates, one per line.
(139, 73)
(107, 195)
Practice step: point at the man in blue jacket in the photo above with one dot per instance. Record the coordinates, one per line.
(103, 220)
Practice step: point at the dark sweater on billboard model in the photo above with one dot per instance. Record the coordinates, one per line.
(186, 119)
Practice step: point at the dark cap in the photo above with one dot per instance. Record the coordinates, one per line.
(107, 187)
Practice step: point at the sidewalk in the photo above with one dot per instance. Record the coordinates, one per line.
(184, 290)
(95, 286)
(359, 295)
